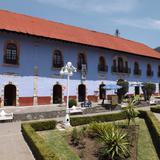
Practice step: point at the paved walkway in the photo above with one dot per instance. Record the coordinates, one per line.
(32, 109)
(12, 144)
(44, 108)
(157, 116)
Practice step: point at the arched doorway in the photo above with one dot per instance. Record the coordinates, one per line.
(102, 91)
(81, 93)
(57, 94)
(10, 95)
(137, 90)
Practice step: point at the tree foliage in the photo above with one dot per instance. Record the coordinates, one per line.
(148, 89)
(122, 91)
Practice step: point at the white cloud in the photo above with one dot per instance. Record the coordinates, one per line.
(98, 6)
(145, 23)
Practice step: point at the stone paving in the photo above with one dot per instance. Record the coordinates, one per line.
(157, 116)
(32, 109)
(12, 144)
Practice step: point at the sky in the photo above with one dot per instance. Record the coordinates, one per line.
(137, 20)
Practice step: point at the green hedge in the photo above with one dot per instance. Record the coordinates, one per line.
(154, 128)
(36, 143)
(43, 125)
(155, 109)
(75, 121)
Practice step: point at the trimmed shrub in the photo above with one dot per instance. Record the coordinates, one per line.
(40, 150)
(155, 109)
(75, 121)
(154, 128)
(43, 125)
(72, 102)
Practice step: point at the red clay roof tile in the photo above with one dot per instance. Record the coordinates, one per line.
(40, 27)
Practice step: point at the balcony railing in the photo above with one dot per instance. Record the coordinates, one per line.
(10, 60)
(79, 66)
(149, 73)
(102, 68)
(114, 69)
(123, 70)
(137, 72)
(58, 65)
(127, 70)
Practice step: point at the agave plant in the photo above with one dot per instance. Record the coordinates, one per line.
(114, 140)
(97, 129)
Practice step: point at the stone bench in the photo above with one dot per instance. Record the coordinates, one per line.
(5, 116)
(75, 109)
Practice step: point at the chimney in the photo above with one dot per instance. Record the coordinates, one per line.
(117, 33)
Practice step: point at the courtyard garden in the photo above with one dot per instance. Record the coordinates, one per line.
(87, 146)
(112, 136)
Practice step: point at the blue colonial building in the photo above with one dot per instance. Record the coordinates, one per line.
(33, 50)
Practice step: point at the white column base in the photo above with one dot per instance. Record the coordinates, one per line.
(67, 121)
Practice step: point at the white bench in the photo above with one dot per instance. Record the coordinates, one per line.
(123, 105)
(154, 100)
(75, 109)
(5, 116)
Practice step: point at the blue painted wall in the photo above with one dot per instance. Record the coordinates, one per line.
(36, 51)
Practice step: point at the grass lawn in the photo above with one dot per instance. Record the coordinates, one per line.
(56, 139)
(146, 150)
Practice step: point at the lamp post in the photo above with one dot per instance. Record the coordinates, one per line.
(67, 70)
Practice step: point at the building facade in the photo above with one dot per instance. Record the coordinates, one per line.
(31, 63)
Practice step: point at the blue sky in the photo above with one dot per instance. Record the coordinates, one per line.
(137, 20)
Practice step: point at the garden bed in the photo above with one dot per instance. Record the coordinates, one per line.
(138, 149)
(90, 151)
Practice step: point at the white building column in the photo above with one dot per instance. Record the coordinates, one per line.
(35, 85)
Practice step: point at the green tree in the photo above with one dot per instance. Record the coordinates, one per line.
(122, 91)
(148, 89)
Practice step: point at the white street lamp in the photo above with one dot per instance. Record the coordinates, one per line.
(67, 70)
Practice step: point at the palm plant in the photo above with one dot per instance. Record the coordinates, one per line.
(130, 110)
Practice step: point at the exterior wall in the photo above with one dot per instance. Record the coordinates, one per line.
(38, 52)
